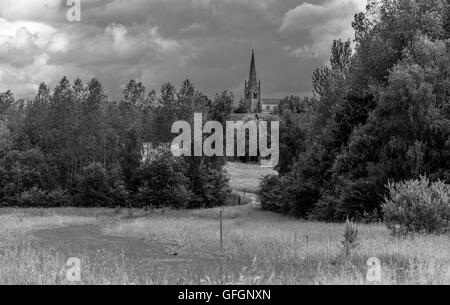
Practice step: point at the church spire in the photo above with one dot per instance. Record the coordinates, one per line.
(253, 88)
(252, 80)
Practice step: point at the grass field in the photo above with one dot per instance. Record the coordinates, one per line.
(259, 248)
(183, 247)
(246, 177)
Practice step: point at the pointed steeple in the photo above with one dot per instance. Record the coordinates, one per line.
(253, 88)
(252, 81)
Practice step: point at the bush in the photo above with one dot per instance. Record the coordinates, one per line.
(418, 206)
(96, 187)
(358, 199)
(118, 192)
(325, 209)
(58, 198)
(163, 181)
(270, 192)
(288, 195)
(23, 170)
(350, 238)
(34, 197)
(211, 187)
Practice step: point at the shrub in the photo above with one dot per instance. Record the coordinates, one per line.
(418, 206)
(324, 209)
(58, 198)
(97, 187)
(118, 192)
(270, 192)
(350, 238)
(23, 170)
(358, 198)
(34, 197)
(163, 181)
(210, 186)
(287, 194)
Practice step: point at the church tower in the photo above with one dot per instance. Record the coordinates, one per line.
(253, 89)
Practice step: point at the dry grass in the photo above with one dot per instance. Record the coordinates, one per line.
(259, 248)
(299, 252)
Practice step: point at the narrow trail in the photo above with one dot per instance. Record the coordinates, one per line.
(79, 240)
(254, 199)
(82, 240)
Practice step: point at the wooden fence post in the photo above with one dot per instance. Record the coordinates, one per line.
(221, 230)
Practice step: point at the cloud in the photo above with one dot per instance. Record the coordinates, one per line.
(19, 49)
(32, 10)
(156, 41)
(195, 27)
(323, 22)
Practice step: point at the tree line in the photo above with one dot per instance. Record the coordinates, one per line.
(380, 114)
(75, 146)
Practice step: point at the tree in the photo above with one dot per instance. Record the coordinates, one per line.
(242, 107)
(93, 138)
(5, 138)
(382, 114)
(164, 114)
(222, 107)
(6, 100)
(163, 181)
(293, 129)
(407, 136)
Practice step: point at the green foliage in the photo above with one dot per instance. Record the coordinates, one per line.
(350, 238)
(289, 194)
(58, 198)
(163, 181)
(292, 140)
(210, 186)
(168, 181)
(5, 138)
(418, 206)
(241, 107)
(222, 107)
(6, 100)
(408, 132)
(270, 191)
(35, 197)
(381, 113)
(96, 186)
(75, 138)
(23, 170)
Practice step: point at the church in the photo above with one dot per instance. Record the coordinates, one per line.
(252, 94)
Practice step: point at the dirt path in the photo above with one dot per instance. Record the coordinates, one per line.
(254, 199)
(86, 239)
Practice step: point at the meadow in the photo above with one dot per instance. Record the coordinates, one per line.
(246, 177)
(157, 246)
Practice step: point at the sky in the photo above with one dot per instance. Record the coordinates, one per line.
(158, 41)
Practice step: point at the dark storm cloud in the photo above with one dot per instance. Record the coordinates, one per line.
(155, 41)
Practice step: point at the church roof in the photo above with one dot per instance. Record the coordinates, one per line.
(269, 101)
(252, 80)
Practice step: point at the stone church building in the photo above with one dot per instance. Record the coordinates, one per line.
(252, 93)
